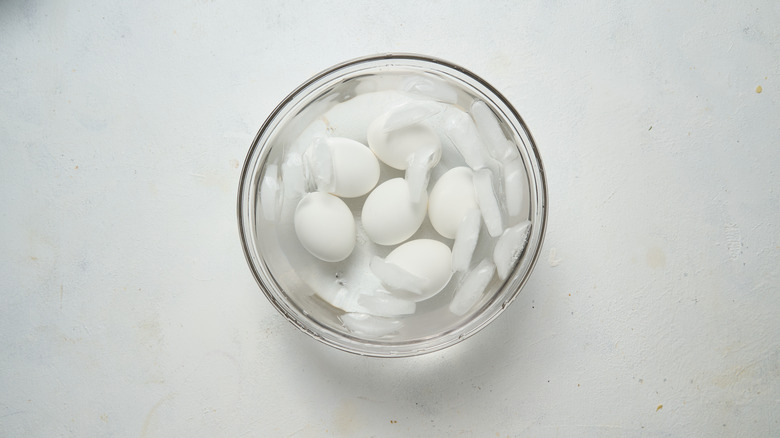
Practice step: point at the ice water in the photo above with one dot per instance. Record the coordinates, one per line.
(352, 296)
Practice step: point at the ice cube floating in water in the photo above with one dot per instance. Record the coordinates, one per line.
(384, 185)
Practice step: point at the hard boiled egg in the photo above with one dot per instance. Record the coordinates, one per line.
(427, 259)
(341, 166)
(389, 217)
(325, 226)
(396, 136)
(451, 199)
(355, 167)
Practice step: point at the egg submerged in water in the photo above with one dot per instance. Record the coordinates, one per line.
(389, 217)
(451, 199)
(396, 137)
(341, 166)
(325, 226)
(427, 259)
(355, 167)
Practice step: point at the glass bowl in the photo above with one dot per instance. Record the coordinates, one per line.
(283, 272)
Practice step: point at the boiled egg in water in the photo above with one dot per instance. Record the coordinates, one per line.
(354, 168)
(427, 259)
(451, 199)
(395, 139)
(325, 226)
(389, 217)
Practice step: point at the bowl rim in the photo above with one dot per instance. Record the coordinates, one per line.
(542, 203)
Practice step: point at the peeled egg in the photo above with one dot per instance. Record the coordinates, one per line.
(325, 226)
(396, 147)
(355, 168)
(451, 199)
(425, 258)
(389, 217)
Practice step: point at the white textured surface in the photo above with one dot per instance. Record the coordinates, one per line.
(128, 309)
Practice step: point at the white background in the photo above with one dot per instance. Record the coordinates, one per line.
(128, 308)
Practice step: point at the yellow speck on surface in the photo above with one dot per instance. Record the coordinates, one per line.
(656, 258)
(759, 89)
(659, 408)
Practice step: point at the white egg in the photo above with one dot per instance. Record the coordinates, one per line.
(425, 258)
(389, 217)
(451, 199)
(396, 147)
(325, 226)
(355, 167)
(352, 117)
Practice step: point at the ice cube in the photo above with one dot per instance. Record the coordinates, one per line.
(395, 277)
(410, 113)
(489, 129)
(306, 131)
(369, 325)
(515, 186)
(432, 88)
(463, 133)
(472, 287)
(293, 177)
(419, 171)
(509, 247)
(270, 193)
(488, 203)
(318, 165)
(466, 240)
(293, 186)
(340, 297)
(384, 304)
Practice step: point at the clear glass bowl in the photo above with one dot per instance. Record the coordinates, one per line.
(284, 279)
